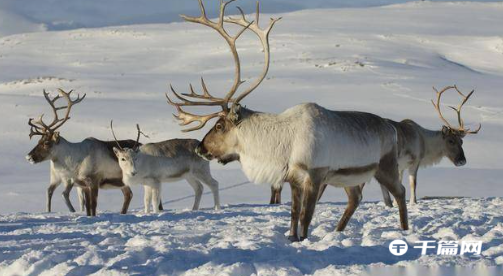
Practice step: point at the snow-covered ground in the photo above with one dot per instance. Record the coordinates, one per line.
(248, 239)
(378, 59)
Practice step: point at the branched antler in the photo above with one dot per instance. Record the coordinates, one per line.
(137, 142)
(138, 137)
(263, 35)
(207, 99)
(461, 128)
(39, 127)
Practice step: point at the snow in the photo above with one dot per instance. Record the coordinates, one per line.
(244, 239)
(377, 59)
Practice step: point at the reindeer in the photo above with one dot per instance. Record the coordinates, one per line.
(421, 147)
(306, 145)
(90, 164)
(167, 161)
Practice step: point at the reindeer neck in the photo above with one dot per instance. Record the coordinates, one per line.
(264, 146)
(64, 149)
(434, 147)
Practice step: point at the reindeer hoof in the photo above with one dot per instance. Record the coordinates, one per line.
(293, 238)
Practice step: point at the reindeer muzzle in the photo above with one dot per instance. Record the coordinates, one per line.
(30, 159)
(203, 153)
(460, 163)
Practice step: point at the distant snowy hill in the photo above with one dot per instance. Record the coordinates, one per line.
(11, 23)
(72, 14)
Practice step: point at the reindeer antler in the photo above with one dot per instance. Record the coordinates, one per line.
(137, 138)
(209, 100)
(39, 127)
(113, 134)
(263, 35)
(461, 127)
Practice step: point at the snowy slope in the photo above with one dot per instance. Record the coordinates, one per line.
(382, 60)
(72, 14)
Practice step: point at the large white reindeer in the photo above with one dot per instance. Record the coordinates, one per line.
(168, 161)
(306, 145)
(90, 164)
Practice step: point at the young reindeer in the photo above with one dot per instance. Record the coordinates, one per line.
(306, 145)
(89, 164)
(168, 161)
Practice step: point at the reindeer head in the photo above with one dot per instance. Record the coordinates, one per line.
(453, 136)
(49, 137)
(221, 140)
(127, 157)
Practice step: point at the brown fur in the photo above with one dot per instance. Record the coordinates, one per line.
(173, 148)
(354, 197)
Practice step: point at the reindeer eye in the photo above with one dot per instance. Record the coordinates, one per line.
(451, 142)
(123, 159)
(219, 127)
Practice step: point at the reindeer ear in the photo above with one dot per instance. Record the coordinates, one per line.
(235, 113)
(55, 137)
(116, 151)
(445, 131)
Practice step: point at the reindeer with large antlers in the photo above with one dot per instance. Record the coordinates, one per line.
(90, 164)
(421, 147)
(306, 145)
(168, 161)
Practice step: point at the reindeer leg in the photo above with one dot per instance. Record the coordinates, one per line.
(295, 212)
(273, 195)
(386, 196)
(309, 197)
(413, 184)
(198, 190)
(207, 179)
(276, 195)
(354, 198)
(128, 195)
(147, 198)
(361, 187)
(94, 199)
(322, 190)
(87, 194)
(66, 195)
(82, 200)
(50, 192)
(388, 175)
(156, 191)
